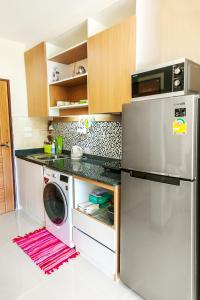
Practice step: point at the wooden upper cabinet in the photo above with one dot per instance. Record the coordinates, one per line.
(36, 80)
(111, 61)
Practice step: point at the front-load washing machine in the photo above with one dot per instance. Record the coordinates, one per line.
(58, 203)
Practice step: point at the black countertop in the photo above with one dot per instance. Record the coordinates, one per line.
(101, 169)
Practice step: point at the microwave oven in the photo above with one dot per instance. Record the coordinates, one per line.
(175, 78)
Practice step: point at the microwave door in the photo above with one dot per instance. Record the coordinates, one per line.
(150, 85)
(152, 82)
(151, 140)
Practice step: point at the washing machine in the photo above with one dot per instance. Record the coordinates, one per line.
(58, 203)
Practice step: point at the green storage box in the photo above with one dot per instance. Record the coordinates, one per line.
(101, 199)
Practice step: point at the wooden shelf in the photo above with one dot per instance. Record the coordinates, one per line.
(71, 81)
(71, 55)
(69, 106)
(74, 111)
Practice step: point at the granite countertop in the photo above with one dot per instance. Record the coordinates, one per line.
(101, 169)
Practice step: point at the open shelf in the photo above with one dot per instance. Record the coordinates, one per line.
(82, 190)
(69, 106)
(71, 81)
(96, 216)
(71, 55)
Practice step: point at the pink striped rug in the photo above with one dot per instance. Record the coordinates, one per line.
(45, 249)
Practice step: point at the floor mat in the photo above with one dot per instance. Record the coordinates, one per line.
(45, 249)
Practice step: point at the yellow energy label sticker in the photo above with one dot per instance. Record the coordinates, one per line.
(179, 126)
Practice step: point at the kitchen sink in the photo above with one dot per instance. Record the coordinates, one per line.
(47, 157)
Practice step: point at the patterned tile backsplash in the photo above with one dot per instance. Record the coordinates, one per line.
(103, 138)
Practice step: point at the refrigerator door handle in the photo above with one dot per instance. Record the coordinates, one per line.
(155, 177)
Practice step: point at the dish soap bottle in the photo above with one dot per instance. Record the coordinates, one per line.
(53, 147)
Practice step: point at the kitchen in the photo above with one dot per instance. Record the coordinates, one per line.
(95, 126)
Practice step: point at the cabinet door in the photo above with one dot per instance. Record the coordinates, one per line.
(36, 80)
(35, 184)
(111, 61)
(30, 189)
(21, 183)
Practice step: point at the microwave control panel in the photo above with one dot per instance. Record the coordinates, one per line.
(178, 77)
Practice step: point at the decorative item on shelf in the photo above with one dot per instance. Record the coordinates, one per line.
(55, 74)
(80, 70)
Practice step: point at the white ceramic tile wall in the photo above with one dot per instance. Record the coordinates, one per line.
(29, 132)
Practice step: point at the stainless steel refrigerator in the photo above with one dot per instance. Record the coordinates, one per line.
(159, 202)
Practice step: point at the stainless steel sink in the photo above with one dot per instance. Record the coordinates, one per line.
(47, 157)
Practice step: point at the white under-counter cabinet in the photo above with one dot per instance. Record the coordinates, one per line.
(93, 235)
(30, 189)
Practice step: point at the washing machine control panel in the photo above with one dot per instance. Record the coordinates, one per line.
(64, 178)
(51, 174)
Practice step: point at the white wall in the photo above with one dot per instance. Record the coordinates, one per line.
(27, 132)
(166, 30)
(147, 33)
(12, 68)
(180, 29)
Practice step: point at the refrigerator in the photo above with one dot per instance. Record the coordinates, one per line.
(159, 201)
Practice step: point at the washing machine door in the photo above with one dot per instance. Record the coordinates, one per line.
(55, 203)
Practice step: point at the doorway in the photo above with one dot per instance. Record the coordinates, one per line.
(7, 202)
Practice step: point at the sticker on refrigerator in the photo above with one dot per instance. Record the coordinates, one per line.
(180, 112)
(179, 126)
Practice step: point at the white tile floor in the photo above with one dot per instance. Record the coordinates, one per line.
(21, 279)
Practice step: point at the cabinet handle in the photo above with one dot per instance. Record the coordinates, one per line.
(5, 145)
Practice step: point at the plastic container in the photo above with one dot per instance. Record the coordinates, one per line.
(47, 148)
(99, 192)
(100, 199)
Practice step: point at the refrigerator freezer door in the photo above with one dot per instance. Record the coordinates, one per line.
(157, 238)
(159, 136)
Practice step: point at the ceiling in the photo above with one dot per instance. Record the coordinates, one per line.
(33, 21)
